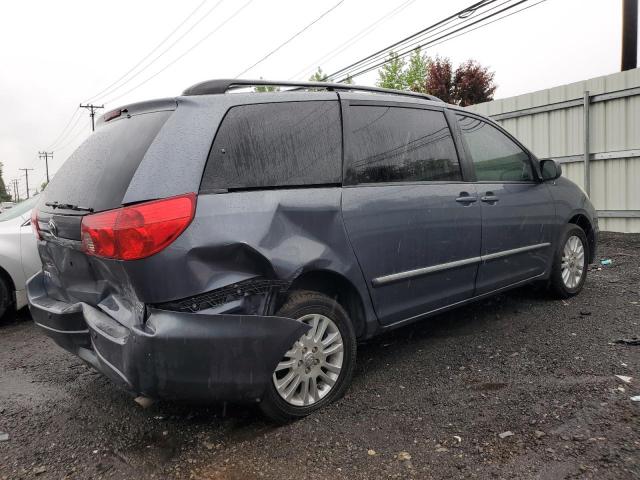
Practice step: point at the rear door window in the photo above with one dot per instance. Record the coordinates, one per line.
(98, 173)
(496, 158)
(397, 144)
(276, 145)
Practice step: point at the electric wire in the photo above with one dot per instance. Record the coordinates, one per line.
(290, 39)
(358, 36)
(451, 35)
(207, 36)
(162, 53)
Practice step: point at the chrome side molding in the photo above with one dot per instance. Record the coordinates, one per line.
(419, 272)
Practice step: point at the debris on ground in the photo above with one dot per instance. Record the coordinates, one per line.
(458, 438)
(371, 452)
(606, 261)
(4, 437)
(624, 378)
(628, 341)
(506, 434)
(404, 456)
(636, 398)
(539, 434)
(39, 470)
(144, 402)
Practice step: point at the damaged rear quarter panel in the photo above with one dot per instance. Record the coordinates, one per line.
(275, 234)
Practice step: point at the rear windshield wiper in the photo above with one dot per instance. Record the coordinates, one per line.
(68, 206)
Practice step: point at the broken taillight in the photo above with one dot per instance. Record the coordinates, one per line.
(137, 231)
(34, 224)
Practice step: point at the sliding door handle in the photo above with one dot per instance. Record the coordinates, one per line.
(466, 199)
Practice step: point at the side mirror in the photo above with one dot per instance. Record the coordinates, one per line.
(550, 169)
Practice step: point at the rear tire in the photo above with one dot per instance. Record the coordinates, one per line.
(318, 368)
(570, 263)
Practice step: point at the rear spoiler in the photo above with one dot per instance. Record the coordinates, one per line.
(127, 111)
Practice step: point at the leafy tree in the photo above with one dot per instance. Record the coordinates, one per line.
(473, 84)
(392, 75)
(265, 88)
(318, 76)
(4, 196)
(470, 83)
(416, 74)
(439, 80)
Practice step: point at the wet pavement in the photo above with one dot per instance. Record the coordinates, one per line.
(518, 386)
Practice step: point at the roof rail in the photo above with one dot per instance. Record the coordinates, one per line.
(210, 87)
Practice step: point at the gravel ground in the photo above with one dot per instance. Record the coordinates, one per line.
(432, 400)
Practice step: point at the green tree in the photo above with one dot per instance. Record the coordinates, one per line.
(392, 75)
(416, 73)
(4, 196)
(265, 88)
(318, 76)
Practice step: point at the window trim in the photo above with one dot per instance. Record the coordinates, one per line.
(346, 121)
(533, 161)
(216, 191)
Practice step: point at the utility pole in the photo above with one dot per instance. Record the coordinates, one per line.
(629, 34)
(16, 193)
(26, 176)
(46, 156)
(92, 108)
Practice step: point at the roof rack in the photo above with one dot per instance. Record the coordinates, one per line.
(210, 87)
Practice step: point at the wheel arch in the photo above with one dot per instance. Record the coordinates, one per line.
(8, 281)
(583, 221)
(339, 288)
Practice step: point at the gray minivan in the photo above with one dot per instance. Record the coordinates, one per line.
(230, 245)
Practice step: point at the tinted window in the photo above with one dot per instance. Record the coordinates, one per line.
(495, 156)
(394, 144)
(276, 144)
(98, 173)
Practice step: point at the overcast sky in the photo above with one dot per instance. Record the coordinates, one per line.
(55, 55)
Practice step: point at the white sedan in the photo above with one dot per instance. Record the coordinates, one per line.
(19, 257)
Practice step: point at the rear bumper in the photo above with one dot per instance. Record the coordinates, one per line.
(173, 354)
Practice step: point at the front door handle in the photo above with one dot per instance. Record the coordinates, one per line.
(466, 199)
(489, 198)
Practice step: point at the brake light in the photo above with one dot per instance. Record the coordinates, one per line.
(34, 224)
(137, 231)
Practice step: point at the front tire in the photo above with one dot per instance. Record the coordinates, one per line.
(318, 367)
(570, 262)
(5, 297)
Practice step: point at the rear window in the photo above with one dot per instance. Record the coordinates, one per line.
(276, 145)
(98, 173)
(397, 144)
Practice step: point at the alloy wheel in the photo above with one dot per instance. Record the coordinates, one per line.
(310, 369)
(573, 262)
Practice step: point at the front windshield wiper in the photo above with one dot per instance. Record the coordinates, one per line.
(68, 206)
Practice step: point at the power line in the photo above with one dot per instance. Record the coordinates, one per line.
(62, 132)
(291, 38)
(222, 24)
(161, 54)
(474, 6)
(187, 18)
(358, 36)
(429, 34)
(450, 35)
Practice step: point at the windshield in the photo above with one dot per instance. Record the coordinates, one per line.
(18, 209)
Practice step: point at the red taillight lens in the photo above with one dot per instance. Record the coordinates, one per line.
(34, 224)
(138, 231)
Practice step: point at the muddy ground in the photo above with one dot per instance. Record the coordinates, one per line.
(428, 401)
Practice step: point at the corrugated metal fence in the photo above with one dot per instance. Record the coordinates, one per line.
(606, 163)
